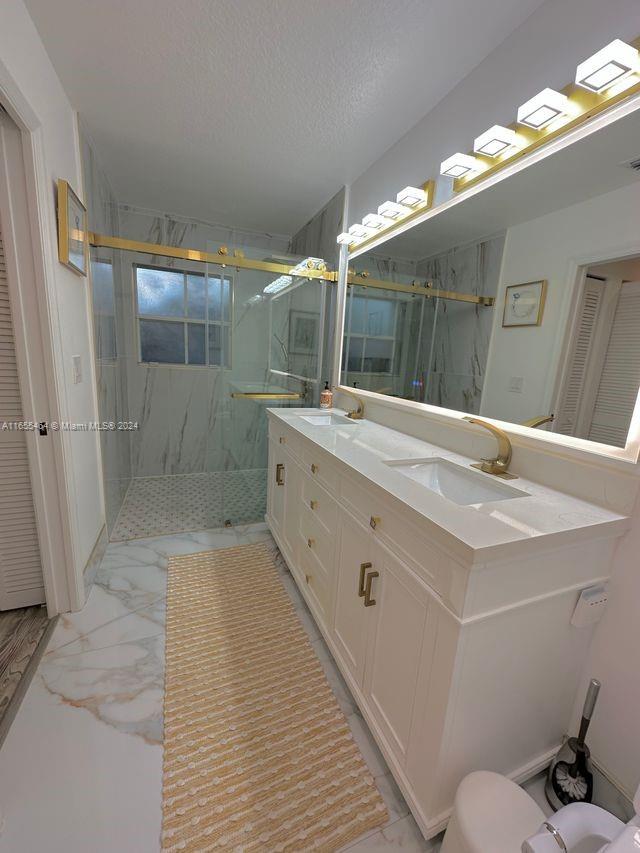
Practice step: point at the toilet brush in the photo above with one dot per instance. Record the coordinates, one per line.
(570, 779)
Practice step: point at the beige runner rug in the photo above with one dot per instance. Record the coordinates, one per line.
(258, 755)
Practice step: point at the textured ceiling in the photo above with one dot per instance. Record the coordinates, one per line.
(254, 113)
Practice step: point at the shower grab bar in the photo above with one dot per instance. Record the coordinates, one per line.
(266, 396)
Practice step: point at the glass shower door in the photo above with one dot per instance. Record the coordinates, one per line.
(270, 350)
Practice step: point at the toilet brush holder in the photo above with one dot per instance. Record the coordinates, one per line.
(570, 778)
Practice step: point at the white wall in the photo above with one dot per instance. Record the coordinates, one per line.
(543, 51)
(30, 87)
(551, 247)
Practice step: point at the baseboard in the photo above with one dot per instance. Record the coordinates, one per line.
(93, 563)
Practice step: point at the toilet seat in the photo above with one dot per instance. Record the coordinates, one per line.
(479, 795)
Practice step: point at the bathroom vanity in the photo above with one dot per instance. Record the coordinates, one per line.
(444, 594)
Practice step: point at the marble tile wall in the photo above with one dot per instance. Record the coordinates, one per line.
(460, 343)
(187, 422)
(109, 301)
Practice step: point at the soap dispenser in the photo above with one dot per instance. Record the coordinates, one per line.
(326, 397)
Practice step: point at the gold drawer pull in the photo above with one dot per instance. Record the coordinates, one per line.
(314, 468)
(307, 578)
(368, 601)
(280, 474)
(313, 504)
(363, 569)
(282, 439)
(374, 521)
(311, 543)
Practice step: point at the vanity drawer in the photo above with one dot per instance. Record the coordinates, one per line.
(317, 465)
(316, 540)
(318, 501)
(401, 535)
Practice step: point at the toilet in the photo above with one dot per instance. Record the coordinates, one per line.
(491, 814)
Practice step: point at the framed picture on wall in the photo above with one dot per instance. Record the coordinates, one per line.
(524, 304)
(303, 332)
(73, 233)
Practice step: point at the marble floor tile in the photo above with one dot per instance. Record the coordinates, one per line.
(94, 709)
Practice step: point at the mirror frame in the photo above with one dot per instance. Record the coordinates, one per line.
(625, 458)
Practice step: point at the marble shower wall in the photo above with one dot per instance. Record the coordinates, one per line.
(109, 305)
(317, 239)
(460, 343)
(185, 416)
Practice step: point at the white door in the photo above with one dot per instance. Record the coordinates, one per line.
(396, 648)
(351, 618)
(620, 377)
(276, 487)
(21, 581)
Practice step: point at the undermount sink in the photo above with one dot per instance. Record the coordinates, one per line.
(452, 481)
(327, 419)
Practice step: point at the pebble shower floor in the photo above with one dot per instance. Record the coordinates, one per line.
(179, 503)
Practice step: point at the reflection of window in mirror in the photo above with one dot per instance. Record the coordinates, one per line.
(601, 374)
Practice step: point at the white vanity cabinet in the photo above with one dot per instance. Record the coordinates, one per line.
(456, 664)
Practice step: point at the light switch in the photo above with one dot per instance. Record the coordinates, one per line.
(515, 384)
(77, 369)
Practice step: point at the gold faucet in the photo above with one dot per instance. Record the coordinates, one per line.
(358, 414)
(536, 422)
(499, 464)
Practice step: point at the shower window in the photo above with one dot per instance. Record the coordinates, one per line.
(371, 335)
(184, 317)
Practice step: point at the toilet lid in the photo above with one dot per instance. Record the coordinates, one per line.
(496, 814)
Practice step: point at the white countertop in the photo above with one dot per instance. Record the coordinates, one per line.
(496, 529)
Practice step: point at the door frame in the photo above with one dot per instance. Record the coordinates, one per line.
(28, 237)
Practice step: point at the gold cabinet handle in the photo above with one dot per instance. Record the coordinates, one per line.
(311, 542)
(374, 521)
(314, 468)
(313, 504)
(282, 439)
(307, 578)
(363, 570)
(280, 474)
(368, 601)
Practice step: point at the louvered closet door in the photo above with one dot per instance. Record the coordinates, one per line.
(579, 363)
(620, 378)
(21, 581)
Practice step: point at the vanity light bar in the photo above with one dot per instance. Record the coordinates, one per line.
(611, 64)
(543, 108)
(458, 165)
(495, 141)
(393, 210)
(412, 196)
(608, 67)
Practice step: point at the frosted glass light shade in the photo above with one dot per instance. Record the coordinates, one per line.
(609, 65)
(393, 210)
(542, 109)
(458, 165)
(374, 220)
(361, 231)
(412, 196)
(345, 239)
(495, 141)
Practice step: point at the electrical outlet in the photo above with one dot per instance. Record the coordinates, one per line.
(590, 606)
(515, 384)
(77, 369)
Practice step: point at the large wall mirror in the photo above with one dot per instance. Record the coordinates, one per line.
(520, 303)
